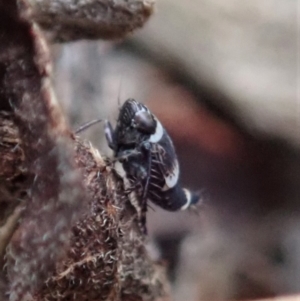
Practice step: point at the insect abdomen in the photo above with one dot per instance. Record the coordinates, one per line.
(174, 199)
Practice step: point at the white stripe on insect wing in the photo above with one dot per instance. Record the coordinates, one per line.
(159, 131)
(188, 197)
(172, 179)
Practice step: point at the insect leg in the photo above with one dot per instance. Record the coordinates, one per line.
(109, 135)
(147, 149)
(133, 186)
(148, 175)
(87, 125)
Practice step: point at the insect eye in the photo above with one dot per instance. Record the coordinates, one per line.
(145, 122)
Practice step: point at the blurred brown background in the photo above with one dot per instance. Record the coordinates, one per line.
(222, 78)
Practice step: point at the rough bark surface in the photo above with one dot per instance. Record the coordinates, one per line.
(91, 19)
(67, 229)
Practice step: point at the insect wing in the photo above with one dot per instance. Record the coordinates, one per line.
(168, 163)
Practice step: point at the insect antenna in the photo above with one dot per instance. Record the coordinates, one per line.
(119, 94)
(87, 125)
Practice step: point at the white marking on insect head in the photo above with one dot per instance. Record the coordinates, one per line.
(172, 179)
(159, 131)
(188, 198)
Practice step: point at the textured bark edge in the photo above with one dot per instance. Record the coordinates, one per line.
(98, 19)
(77, 235)
(106, 257)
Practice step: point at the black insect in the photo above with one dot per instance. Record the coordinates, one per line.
(146, 159)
